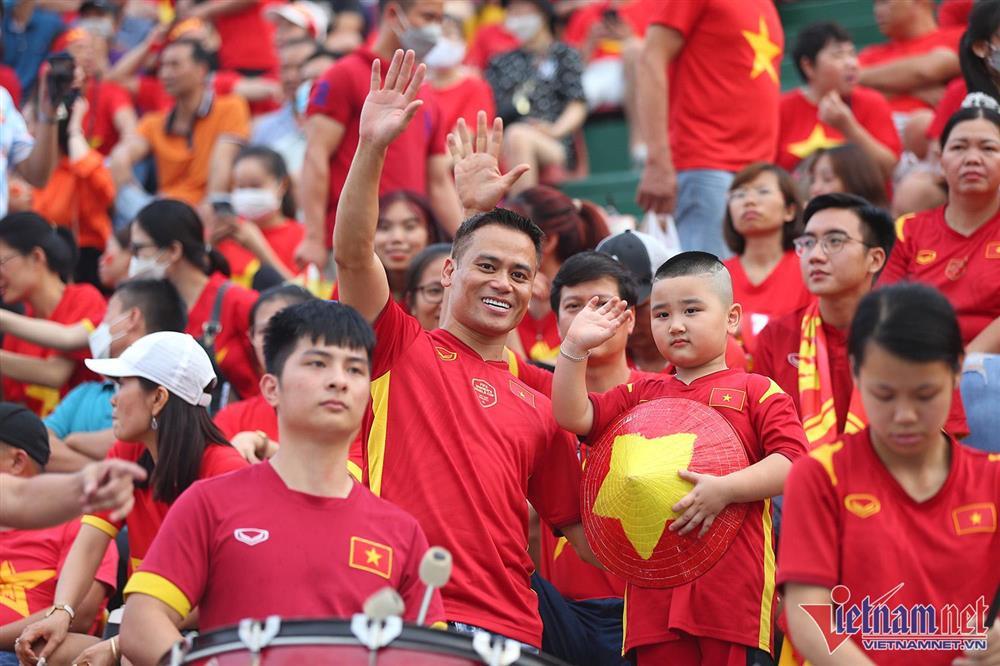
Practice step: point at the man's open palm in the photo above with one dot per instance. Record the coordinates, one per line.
(480, 184)
(391, 105)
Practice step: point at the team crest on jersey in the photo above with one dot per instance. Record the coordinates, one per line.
(251, 536)
(793, 360)
(862, 505)
(993, 250)
(485, 392)
(445, 354)
(978, 518)
(925, 257)
(956, 268)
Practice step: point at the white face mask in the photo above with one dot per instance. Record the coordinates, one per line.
(100, 338)
(147, 267)
(419, 40)
(255, 203)
(524, 27)
(447, 53)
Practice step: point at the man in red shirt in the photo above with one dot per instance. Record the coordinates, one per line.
(463, 462)
(717, 52)
(314, 541)
(831, 108)
(417, 161)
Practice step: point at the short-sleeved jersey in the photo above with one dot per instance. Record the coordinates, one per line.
(233, 352)
(781, 292)
(182, 161)
(848, 521)
(87, 408)
(732, 51)
(246, 39)
(801, 132)
(306, 556)
(244, 264)
(734, 601)
(80, 304)
(339, 94)
(251, 414)
(460, 443)
(147, 514)
(105, 99)
(540, 337)
(880, 54)
(966, 269)
(464, 100)
(30, 564)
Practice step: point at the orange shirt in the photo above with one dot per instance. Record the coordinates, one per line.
(183, 161)
(77, 197)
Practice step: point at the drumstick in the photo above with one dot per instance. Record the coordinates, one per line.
(435, 570)
(384, 603)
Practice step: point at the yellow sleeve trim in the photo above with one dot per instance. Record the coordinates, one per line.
(773, 389)
(160, 588)
(87, 324)
(101, 524)
(901, 222)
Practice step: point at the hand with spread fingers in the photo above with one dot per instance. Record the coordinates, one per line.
(480, 184)
(391, 105)
(594, 325)
(706, 500)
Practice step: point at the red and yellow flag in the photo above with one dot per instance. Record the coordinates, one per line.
(371, 556)
(731, 398)
(975, 518)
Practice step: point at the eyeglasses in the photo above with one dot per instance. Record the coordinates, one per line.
(831, 243)
(432, 293)
(742, 193)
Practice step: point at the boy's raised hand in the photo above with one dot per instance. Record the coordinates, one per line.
(594, 325)
(480, 184)
(389, 107)
(706, 500)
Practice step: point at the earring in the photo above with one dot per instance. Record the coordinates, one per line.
(153, 424)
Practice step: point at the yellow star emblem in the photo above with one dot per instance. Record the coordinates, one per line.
(764, 51)
(976, 518)
(727, 397)
(373, 556)
(642, 485)
(817, 139)
(14, 585)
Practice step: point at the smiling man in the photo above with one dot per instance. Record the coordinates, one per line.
(453, 437)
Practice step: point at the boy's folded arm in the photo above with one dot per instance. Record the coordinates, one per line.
(765, 478)
(570, 402)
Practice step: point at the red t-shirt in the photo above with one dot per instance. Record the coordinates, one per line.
(801, 133)
(307, 556)
(732, 51)
(781, 292)
(490, 41)
(30, 564)
(80, 304)
(540, 337)
(954, 13)
(634, 13)
(147, 514)
(966, 269)
(9, 80)
(460, 443)
(734, 601)
(951, 102)
(248, 415)
(880, 54)
(464, 100)
(244, 264)
(847, 521)
(233, 352)
(339, 94)
(105, 99)
(246, 40)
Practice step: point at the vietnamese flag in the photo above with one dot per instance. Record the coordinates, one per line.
(371, 556)
(975, 518)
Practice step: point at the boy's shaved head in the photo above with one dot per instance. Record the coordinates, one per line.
(699, 264)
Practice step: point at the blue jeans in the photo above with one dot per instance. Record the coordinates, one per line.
(8, 659)
(700, 209)
(981, 399)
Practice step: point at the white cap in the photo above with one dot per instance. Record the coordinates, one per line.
(302, 13)
(173, 360)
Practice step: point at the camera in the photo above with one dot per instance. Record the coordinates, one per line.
(60, 81)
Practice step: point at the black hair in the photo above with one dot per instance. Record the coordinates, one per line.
(588, 266)
(969, 113)
(790, 230)
(545, 7)
(160, 303)
(689, 263)
(417, 266)
(27, 230)
(405, 5)
(877, 229)
(814, 38)
(322, 52)
(169, 221)
(984, 19)
(332, 322)
(500, 217)
(275, 165)
(183, 434)
(421, 204)
(199, 53)
(856, 170)
(292, 294)
(910, 320)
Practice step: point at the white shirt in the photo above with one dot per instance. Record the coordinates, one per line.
(15, 143)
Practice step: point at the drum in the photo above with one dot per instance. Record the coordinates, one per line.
(276, 642)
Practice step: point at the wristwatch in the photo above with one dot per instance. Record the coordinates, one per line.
(63, 607)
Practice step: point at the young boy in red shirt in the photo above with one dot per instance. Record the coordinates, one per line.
(725, 616)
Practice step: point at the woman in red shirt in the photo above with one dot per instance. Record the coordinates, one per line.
(36, 262)
(763, 217)
(406, 225)
(460, 91)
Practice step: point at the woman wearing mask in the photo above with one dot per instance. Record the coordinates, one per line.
(424, 291)
(168, 242)
(36, 263)
(161, 423)
(461, 92)
(264, 231)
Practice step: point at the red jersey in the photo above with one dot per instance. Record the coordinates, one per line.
(30, 564)
(954, 13)
(734, 601)
(9, 80)
(246, 40)
(464, 100)
(540, 337)
(460, 443)
(105, 99)
(147, 514)
(490, 41)
(339, 94)
(848, 521)
(801, 133)
(951, 102)
(635, 13)
(251, 415)
(80, 304)
(781, 292)
(732, 51)
(244, 264)
(880, 54)
(307, 556)
(966, 269)
(233, 352)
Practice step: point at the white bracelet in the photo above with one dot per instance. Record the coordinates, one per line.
(575, 359)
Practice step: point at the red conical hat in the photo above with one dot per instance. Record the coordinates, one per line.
(630, 484)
